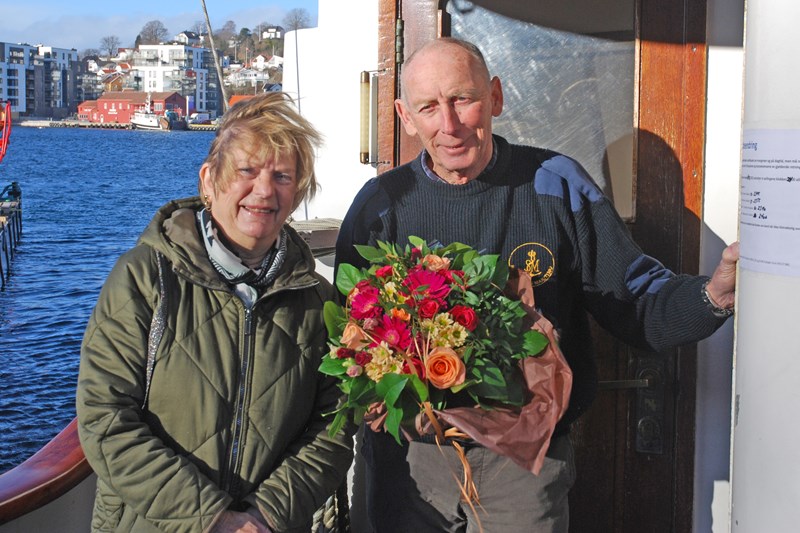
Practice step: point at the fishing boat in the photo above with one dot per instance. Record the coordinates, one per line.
(146, 119)
(619, 451)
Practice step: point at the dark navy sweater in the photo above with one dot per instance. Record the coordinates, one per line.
(542, 213)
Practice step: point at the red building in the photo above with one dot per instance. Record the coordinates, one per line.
(119, 106)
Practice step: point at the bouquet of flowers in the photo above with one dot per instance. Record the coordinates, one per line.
(429, 325)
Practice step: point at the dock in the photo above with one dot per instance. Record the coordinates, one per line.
(10, 228)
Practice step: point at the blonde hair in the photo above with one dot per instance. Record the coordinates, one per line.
(267, 125)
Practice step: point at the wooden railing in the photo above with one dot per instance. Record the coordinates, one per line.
(10, 232)
(50, 473)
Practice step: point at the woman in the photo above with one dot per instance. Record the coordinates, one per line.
(222, 429)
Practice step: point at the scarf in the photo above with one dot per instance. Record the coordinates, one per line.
(246, 282)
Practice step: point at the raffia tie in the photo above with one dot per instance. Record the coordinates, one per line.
(469, 492)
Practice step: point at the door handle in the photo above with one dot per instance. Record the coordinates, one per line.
(649, 402)
(621, 384)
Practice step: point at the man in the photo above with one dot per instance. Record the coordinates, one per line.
(542, 213)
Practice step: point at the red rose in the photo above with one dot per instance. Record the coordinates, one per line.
(414, 365)
(384, 271)
(428, 308)
(362, 358)
(465, 316)
(345, 353)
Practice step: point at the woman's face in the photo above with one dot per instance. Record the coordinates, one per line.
(256, 202)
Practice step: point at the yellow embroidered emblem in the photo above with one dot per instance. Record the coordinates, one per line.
(535, 259)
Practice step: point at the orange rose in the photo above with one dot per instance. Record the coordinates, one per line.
(353, 336)
(444, 368)
(435, 263)
(401, 314)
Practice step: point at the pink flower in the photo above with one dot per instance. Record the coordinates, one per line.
(354, 371)
(465, 316)
(394, 331)
(365, 303)
(427, 283)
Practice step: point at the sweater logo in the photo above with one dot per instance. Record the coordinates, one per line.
(535, 259)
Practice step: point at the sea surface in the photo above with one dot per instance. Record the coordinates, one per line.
(87, 194)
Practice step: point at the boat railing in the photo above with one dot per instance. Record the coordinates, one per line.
(47, 475)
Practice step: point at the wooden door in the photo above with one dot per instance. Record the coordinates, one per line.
(633, 115)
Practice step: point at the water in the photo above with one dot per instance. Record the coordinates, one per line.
(86, 196)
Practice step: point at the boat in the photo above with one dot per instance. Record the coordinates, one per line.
(146, 119)
(5, 127)
(671, 69)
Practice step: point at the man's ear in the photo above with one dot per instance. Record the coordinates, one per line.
(405, 116)
(497, 96)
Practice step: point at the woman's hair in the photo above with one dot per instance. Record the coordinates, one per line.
(267, 125)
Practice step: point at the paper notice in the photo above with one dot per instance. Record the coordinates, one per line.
(769, 217)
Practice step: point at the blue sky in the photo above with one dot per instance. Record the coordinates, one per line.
(82, 23)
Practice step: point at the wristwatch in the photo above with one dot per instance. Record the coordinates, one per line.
(722, 312)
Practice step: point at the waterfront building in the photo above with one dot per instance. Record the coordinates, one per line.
(40, 80)
(117, 107)
(188, 70)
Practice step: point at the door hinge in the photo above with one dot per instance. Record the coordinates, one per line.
(398, 42)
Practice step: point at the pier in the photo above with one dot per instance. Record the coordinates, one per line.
(10, 227)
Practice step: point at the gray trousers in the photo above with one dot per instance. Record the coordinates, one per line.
(413, 489)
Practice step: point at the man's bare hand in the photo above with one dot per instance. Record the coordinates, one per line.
(233, 522)
(722, 287)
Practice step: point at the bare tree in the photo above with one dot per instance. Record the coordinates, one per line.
(199, 27)
(93, 52)
(110, 44)
(154, 32)
(296, 19)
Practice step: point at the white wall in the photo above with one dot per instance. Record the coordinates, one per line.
(331, 58)
(720, 222)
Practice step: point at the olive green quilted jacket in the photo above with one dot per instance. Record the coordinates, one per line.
(233, 415)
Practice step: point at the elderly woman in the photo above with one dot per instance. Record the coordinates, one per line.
(199, 402)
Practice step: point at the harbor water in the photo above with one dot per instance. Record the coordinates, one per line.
(86, 196)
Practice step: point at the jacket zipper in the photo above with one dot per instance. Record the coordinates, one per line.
(231, 480)
(238, 426)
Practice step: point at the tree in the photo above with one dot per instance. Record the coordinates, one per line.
(199, 28)
(90, 52)
(110, 44)
(296, 19)
(154, 32)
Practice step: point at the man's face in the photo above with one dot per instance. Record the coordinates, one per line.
(449, 102)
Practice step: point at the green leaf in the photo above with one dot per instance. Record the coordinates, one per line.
(347, 276)
(370, 253)
(419, 388)
(534, 342)
(335, 319)
(390, 387)
(361, 391)
(416, 242)
(394, 416)
(338, 423)
(332, 366)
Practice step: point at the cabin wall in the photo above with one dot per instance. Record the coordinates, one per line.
(720, 223)
(330, 59)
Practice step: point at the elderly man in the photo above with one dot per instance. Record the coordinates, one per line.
(522, 203)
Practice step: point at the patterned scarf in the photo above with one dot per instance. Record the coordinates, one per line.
(247, 282)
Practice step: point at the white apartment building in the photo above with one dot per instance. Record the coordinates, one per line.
(39, 80)
(188, 70)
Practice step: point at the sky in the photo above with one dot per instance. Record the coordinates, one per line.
(82, 24)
